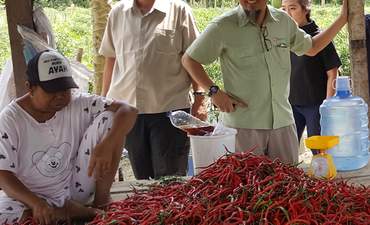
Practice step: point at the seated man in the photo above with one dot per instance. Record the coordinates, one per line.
(58, 150)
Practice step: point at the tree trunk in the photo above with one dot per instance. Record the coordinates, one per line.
(322, 2)
(19, 12)
(357, 39)
(100, 10)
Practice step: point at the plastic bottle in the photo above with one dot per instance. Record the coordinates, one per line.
(345, 116)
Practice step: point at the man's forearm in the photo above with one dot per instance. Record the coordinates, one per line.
(14, 188)
(107, 75)
(123, 121)
(197, 72)
(195, 86)
(321, 40)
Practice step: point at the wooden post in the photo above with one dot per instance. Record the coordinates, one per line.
(18, 12)
(79, 54)
(99, 11)
(357, 42)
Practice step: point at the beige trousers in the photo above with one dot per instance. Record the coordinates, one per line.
(279, 143)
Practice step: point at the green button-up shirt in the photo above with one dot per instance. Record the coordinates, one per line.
(255, 64)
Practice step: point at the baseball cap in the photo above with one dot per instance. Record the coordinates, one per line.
(51, 71)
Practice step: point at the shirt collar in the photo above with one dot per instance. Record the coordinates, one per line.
(128, 5)
(244, 19)
(160, 5)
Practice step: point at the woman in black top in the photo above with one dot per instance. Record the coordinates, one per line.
(312, 77)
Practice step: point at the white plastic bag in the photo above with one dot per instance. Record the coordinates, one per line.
(43, 26)
(81, 75)
(33, 42)
(220, 129)
(7, 85)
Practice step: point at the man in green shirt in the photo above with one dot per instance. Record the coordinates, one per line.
(253, 42)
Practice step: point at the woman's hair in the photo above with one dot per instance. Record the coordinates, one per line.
(306, 5)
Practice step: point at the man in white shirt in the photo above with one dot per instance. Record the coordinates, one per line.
(57, 149)
(143, 44)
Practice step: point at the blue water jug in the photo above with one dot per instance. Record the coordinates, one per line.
(345, 116)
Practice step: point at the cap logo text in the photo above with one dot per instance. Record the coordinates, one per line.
(57, 69)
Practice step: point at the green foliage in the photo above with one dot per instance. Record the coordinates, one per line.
(335, 2)
(276, 3)
(213, 3)
(73, 30)
(318, 2)
(61, 3)
(81, 3)
(204, 15)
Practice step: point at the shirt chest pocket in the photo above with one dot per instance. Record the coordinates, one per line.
(166, 41)
(282, 51)
(245, 59)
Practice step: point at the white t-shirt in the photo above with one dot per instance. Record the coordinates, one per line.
(41, 155)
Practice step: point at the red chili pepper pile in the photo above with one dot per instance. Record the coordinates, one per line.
(245, 189)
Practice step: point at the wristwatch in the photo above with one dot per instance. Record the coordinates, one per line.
(213, 90)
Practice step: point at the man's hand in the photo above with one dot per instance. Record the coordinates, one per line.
(227, 102)
(199, 107)
(43, 213)
(101, 159)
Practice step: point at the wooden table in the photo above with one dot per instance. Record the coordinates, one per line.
(121, 190)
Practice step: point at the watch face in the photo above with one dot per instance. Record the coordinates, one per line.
(213, 90)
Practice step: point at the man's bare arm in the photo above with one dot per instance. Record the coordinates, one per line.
(107, 75)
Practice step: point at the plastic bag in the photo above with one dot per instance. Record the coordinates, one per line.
(43, 26)
(190, 124)
(33, 43)
(81, 75)
(220, 129)
(7, 85)
(42, 39)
